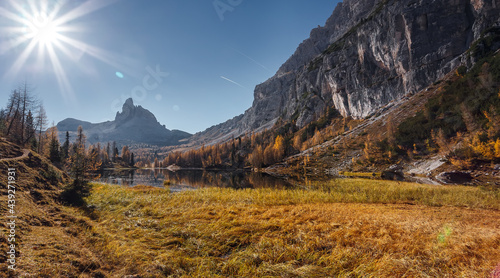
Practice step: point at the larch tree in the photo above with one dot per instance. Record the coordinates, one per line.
(41, 123)
(125, 154)
(78, 164)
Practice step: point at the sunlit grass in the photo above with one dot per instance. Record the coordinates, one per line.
(337, 228)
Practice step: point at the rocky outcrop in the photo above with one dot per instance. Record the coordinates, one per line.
(133, 125)
(369, 53)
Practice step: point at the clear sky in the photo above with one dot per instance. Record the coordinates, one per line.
(83, 59)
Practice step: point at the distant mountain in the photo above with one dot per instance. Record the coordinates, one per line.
(134, 125)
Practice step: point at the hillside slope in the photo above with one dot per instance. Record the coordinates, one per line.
(50, 238)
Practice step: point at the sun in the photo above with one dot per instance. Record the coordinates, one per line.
(43, 30)
(46, 26)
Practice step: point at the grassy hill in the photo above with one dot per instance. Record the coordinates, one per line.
(49, 236)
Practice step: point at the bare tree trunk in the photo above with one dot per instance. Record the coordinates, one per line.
(15, 101)
(23, 117)
(42, 121)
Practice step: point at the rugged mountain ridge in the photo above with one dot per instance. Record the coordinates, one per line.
(133, 125)
(369, 53)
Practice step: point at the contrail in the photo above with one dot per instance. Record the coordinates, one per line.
(234, 82)
(251, 59)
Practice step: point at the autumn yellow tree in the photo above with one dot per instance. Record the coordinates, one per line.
(279, 148)
(297, 141)
(126, 154)
(497, 148)
(256, 158)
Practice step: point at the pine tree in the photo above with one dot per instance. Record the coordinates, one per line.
(78, 164)
(132, 162)
(115, 152)
(65, 147)
(54, 146)
(29, 128)
(108, 149)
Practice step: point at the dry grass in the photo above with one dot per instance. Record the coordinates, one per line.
(346, 228)
(50, 238)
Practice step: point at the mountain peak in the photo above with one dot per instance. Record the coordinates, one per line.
(134, 124)
(130, 111)
(129, 102)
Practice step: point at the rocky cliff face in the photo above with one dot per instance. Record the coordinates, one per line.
(369, 53)
(134, 125)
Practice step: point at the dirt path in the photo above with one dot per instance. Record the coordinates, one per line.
(26, 152)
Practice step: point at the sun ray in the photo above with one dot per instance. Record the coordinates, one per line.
(13, 44)
(65, 50)
(32, 5)
(12, 29)
(85, 8)
(41, 55)
(10, 15)
(24, 13)
(62, 79)
(21, 60)
(100, 54)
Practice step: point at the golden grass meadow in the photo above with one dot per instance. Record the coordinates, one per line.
(340, 228)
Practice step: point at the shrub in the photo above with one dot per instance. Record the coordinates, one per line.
(74, 193)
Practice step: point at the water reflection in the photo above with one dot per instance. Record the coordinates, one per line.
(186, 179)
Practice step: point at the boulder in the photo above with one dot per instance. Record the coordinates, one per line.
(454, 177)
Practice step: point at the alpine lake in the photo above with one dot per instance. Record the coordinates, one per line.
(191, 179)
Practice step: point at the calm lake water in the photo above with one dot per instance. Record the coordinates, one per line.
(192, 179)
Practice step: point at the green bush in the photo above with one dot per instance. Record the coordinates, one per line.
(75, 193)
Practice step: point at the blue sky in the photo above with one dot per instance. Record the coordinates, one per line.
(209, 61)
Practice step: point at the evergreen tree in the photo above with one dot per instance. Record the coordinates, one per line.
(108, 149)
(78, 164)
(54, 146)
(115, 152)
(29, 128)
(132, 162)
(65, 147)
